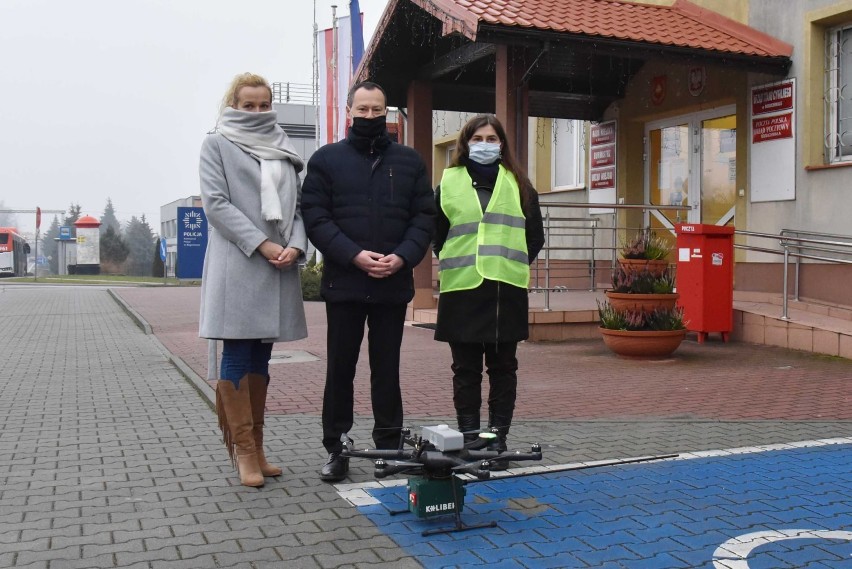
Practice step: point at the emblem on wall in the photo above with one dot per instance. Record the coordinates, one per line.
(697, 80)
(658, 89)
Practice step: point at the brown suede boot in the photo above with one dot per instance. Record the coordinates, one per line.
(235, 420)
(257, 390)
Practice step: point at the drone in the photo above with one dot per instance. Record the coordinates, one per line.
(436, 460)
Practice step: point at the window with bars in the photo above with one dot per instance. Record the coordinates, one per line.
(568, 155)
(838, 95)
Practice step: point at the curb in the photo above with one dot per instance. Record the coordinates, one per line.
(207, 393)
(135, 316)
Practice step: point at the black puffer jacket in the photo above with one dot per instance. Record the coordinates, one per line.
(367, 194)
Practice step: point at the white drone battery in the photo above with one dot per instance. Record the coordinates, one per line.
(444, 438)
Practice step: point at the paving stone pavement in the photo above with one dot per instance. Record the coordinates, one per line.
(109, 457)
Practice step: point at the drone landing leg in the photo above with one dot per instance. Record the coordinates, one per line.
(460, 526)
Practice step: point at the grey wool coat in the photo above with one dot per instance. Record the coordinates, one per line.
(242, 295)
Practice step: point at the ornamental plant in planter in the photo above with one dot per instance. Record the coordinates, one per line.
(645, 251)
(642, 290)
(640, 334)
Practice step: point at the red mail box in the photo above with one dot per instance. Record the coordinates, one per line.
(705, 277)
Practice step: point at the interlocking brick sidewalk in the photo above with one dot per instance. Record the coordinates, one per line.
(558, 381)
(109, 457)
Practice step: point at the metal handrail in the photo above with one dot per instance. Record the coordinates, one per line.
(796, 244)
(593, 229)
(301, 93)
(801, 248)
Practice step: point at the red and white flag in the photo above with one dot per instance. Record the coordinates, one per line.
(332, 109)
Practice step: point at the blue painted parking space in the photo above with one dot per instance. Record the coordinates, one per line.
(789, 508)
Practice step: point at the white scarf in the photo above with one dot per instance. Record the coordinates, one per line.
(258, 134)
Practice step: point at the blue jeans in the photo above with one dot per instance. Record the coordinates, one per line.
(241, 357)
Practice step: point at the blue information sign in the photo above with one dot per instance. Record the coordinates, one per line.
(162, 250)
(65, 233)
(191, 242)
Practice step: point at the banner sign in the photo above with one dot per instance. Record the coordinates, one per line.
(602, 179)
(191, 242)
(772, 98)
(770, 128)
(604, 156)
(772, 176)
(602, 162)
(603, 133)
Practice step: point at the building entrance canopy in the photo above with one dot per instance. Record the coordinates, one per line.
(573, 58)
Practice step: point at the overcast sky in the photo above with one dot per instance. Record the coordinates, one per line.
(112, 98)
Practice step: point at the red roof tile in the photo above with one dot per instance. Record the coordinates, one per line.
(683, 24)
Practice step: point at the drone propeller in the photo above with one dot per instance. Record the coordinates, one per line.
(400, 463)
(481, 463)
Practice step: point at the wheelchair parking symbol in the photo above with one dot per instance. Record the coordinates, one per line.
(734, 553)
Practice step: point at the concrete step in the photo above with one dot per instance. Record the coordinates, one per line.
(810, 325)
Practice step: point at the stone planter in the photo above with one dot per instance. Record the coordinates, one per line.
(653, 266)
(647, 303)
(643, 344)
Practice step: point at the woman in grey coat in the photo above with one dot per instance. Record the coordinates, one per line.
(250, 290)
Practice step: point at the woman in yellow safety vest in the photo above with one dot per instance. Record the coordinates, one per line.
(489, 230)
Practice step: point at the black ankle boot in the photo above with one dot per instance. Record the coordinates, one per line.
(469, 427)
(499, 425)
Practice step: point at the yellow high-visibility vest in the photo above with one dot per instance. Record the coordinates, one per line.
(490, 245)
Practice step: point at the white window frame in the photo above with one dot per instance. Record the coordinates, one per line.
(838, 130)
(578, 156)
(450, 150)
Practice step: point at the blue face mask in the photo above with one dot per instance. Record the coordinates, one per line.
(484, 152)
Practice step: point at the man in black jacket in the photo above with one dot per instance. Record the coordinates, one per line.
(368, 207)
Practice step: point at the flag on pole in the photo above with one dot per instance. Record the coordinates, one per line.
(334, 72)
(357, 34)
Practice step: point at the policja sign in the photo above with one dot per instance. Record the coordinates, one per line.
(191, 242)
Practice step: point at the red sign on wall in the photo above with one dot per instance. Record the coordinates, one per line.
(602, 179)
(602, 161)
(772, 99)
(603, 133)
(603, 156)
(772, 128)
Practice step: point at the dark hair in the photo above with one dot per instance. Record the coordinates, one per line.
(460, 155)
(369, 86)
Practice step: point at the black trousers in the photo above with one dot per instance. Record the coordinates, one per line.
(385, 323)
(502, 368)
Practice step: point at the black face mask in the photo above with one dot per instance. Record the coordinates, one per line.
(369, 128)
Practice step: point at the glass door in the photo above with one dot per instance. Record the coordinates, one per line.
(692, 161)
(668, 160)
(718, 170)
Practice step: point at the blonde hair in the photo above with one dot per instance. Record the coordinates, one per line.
(240, 81)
